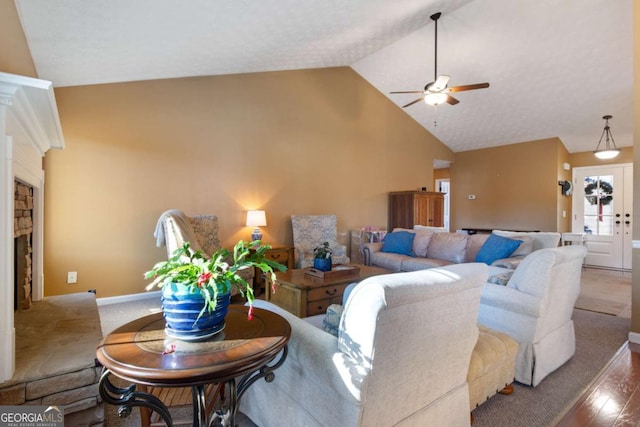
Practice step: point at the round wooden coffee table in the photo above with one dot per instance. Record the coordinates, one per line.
(141, 352)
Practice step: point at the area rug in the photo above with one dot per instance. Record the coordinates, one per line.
(600, 305)
(598, 337)
(605, 291)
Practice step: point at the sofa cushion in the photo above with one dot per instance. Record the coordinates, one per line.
(447, 246)
(420, 242)
(418, 263)
(399, 242)
(541, 239)
(390, 261)
(525, 248)
(474, 243)
(511, 263)
(496, 247)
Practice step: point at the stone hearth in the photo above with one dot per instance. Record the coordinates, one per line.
(56, 344)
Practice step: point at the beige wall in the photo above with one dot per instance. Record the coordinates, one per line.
(295, 142)
(586, 158)
(515, 186)
(563, 203)
(15, 57)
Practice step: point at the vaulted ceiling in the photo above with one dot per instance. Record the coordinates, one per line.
(554, 67)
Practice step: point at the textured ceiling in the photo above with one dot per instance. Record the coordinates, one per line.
(555, 67)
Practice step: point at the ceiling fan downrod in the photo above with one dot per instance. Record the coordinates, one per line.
(435, 18)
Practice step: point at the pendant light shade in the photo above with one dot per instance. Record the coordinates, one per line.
(609, 150)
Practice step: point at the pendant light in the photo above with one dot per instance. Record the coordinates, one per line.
(609, 151)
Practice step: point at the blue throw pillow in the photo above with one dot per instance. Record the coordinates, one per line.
(399, 242)
(496, 247)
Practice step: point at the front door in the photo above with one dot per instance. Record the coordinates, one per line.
(602, 204)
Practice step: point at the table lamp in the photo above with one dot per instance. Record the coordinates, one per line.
(256, 219)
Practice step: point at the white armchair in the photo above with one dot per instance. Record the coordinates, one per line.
(401, 356)
(535, 308)
(311, 231)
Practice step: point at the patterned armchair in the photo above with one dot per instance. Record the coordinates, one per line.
(174, 228)
(311, 231)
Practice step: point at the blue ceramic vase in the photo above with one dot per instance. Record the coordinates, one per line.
(322, 264)
(181, 309)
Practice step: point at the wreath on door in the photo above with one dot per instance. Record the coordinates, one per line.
(603, 192)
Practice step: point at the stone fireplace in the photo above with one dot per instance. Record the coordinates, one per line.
(29, 127)
(23, 251)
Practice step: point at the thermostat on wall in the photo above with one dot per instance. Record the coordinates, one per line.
(472, 196)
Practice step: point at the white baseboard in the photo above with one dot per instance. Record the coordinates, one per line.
(634, 337)
(128, 298)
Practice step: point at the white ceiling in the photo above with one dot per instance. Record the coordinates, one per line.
(555, 67)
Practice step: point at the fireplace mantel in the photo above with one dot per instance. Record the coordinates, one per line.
(29, 127)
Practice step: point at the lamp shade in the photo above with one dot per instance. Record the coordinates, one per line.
(256, 219)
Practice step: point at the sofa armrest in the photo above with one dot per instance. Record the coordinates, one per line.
(369, 249)
(314, 354)
(510, 299)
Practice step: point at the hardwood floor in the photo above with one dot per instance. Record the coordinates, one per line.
(614, 397)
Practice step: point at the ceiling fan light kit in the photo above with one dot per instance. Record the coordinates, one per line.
(435, 98)
(437, 92)
(609, 151)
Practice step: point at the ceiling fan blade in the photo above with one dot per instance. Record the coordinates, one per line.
(413, 102)
(409, 91)
(439, 84)
(451, 100)
(468, 87)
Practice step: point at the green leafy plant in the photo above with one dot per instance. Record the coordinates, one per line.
(216, 275)
(323, 251)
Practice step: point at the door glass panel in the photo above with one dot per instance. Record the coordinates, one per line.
(598, 205)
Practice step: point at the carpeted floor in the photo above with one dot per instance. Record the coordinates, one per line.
(598, 337)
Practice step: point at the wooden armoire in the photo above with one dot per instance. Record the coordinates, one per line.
(409, 208)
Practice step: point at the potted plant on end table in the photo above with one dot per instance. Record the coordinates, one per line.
(322, 257)
(196, 290)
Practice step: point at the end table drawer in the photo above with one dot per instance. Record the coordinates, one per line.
(281, 256)
(320, 307)
(326, 292)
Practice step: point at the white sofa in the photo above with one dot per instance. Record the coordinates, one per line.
(401, 356)
(535, 308)
(435, 248)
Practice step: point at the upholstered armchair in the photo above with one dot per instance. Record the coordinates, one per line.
(174, 228)
(535, 307)
(311, 231)
(401, 356)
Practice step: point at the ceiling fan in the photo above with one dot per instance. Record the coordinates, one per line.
(437, 92)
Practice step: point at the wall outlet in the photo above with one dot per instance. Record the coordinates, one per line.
(72, 277)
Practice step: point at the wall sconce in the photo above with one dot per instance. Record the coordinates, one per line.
(256, 219)
(610, 150)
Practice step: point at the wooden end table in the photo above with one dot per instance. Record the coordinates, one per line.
(279, 253)
(136, 352)
(304, 295)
